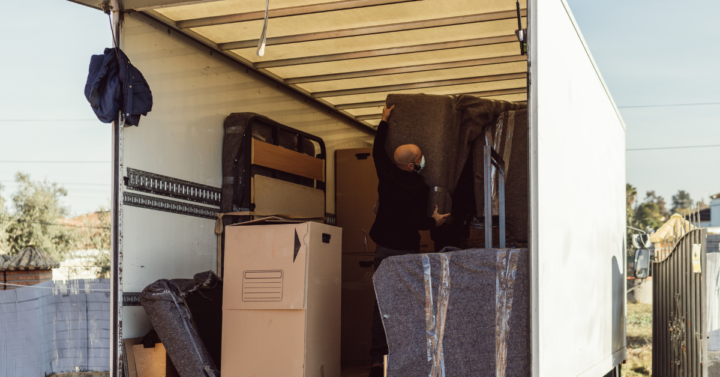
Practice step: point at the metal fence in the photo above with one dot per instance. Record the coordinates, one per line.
(55, 327)
(680, 307)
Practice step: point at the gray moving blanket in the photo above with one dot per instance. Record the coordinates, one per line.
(445, 128)
(461, 313)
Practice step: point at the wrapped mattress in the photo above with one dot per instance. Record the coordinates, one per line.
(445, 128)
(171, 318)
(462, 313)
(509, 138)
(235, 126)
(204, 296)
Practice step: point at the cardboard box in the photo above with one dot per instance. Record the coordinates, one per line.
(281, 299)
(147, 362)
(356, 185)
(358, 298)
(355, 194)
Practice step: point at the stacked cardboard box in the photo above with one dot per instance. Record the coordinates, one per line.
(281, 299)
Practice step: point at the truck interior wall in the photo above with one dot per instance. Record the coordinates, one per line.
(578, 203)
(194, 91)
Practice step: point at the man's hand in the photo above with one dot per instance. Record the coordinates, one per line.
(386, 112)
(439, 219)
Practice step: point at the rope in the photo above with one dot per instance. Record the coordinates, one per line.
(59, 288)
(219, 228)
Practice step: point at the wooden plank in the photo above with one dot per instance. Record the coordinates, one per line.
(150, 362)
(284, 12)
(276, 197)
(279, 158)
(375, 29)
(130, 354)
(385, 51)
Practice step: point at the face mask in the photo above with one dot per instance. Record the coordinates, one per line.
(418, 168)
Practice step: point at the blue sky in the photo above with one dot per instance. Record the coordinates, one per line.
(45, 49)
(656, 53)
(649, 53)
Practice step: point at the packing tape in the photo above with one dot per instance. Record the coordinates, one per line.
(219, 228)
(505, 150)
(441, 189)
(435, 320)
(430, 333)
(505, 272)
(443, 298)
(187, 329)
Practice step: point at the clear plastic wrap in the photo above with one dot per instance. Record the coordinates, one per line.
(505, 272)
(171, 318)
(462, 313)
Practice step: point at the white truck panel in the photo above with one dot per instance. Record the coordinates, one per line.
(579, 199)
(193, 93)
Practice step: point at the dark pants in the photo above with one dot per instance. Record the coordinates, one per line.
(379, 339)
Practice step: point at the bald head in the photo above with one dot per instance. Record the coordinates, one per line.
(406, 156)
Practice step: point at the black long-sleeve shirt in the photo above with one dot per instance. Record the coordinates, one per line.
(403, 200)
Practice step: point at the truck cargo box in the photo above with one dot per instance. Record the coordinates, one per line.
(327, 70)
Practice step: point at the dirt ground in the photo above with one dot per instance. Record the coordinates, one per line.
(639, 340)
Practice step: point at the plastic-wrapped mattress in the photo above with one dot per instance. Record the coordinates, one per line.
(171, 318)
(509, 137)
(460, 313)
(445, 128)
(204, 296)
(235, 126)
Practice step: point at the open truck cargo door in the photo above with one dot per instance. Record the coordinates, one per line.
(577, 203)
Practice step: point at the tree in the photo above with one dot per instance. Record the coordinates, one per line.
(95, 235)
(5, 221)
(37, 210)
(651, 213)
(630, 195)
(650, 196)
(681, 201)
(648, 216)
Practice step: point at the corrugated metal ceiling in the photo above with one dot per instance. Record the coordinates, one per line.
(351, 54)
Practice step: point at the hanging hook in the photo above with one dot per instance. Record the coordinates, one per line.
(520, 32)
(263, 36)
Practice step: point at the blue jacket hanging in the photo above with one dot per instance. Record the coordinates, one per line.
(114, 85)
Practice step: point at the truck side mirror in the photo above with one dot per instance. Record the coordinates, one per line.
(642, 263)
(641, 241)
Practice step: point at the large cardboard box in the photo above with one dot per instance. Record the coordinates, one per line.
(281, 299)
(356, 185)
(355, 195)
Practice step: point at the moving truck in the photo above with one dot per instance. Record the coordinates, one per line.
(327, 68)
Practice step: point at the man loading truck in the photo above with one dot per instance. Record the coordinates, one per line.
(401, 214)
